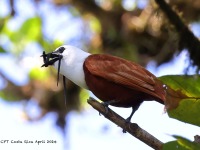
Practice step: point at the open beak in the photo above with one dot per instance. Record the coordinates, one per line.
(50, 58)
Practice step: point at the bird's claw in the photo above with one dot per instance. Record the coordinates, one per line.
(105, 104)
(127, 121)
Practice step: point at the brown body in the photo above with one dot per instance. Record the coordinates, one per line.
(113, 78)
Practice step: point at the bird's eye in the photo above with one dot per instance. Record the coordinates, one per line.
(60, 50)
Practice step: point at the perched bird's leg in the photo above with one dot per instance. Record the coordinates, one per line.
(134, 108)
(107, 103)
(128, 120)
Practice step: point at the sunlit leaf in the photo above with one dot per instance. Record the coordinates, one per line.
(30, 31)
(181, 144)
(57, 43)
(38, 73)
(84, 95)
(183, 98)
(14, 36)
(3, 22)
(189, 85)
(188, 111)
(94, 24)
(31, 28)
(173, 145)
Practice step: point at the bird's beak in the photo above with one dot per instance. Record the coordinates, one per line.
(50, 58)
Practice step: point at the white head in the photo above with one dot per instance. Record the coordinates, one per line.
(71, 63)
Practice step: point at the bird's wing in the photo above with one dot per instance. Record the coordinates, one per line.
(121, 71)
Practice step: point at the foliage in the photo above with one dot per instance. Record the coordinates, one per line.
(182, 103)
(183, 94)
(181, 144)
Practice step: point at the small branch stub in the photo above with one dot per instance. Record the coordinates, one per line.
(197, 139)
(131, 128)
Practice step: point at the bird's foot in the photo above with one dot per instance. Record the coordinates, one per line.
(124, 130)
(105, 104)
(127, 121)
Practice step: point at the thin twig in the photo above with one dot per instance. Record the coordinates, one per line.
(131, 128)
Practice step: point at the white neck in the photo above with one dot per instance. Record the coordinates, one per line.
(72, 65)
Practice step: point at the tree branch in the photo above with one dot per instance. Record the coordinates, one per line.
(172, 16)
(131, 128)
(187, 38)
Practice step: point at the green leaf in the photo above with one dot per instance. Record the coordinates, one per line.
(38, 73)
(95, 24)
(188, 111)
(181, 144)
(31, 29)
(183, 98)
(84, 95)
(173, 145)
(187, 84)
(2, 50)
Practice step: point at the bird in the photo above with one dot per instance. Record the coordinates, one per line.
(115, 81)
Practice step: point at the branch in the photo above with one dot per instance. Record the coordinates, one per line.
(172, 15)
(197, 139)
(187, 38)
(131, 128)
(12, 13)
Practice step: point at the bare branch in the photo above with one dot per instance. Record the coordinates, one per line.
(197, 139)
(12, 12)
(131, 128)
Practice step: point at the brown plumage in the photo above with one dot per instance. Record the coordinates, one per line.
(113, 78)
